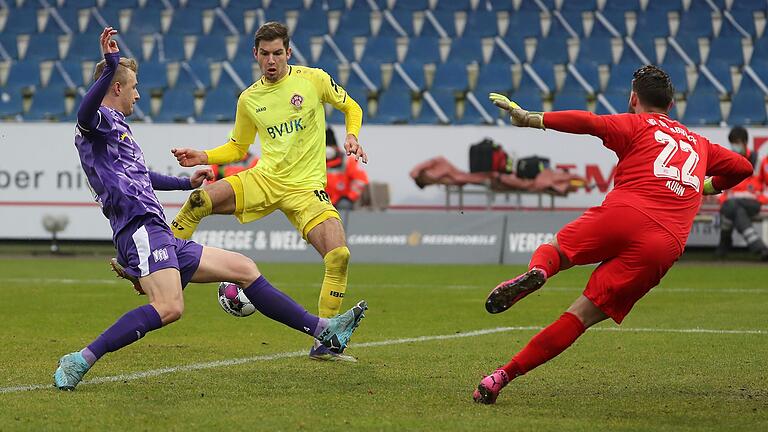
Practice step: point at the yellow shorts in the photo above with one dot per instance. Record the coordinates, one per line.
(257, 196)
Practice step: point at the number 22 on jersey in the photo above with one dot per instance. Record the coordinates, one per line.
(662, 167)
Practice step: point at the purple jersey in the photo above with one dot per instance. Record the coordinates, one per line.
(114, 165)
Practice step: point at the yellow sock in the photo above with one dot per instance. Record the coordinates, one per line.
(334, 282)
(197, 207)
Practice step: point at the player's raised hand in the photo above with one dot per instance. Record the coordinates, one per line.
(197, 179)
(352, 147)
(188, 157)
(108, 45)
(517, 115)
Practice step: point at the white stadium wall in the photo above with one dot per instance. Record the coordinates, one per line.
(40, 173)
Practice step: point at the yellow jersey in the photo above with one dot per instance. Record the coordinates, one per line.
(289, 117)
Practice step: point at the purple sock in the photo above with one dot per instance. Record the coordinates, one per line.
(278, 306)
(128, 329)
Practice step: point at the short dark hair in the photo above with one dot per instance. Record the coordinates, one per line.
(270, 31)
(738, 134)
(653, 87)
(120, 74)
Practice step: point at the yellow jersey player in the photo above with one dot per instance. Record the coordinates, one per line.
(285, 108)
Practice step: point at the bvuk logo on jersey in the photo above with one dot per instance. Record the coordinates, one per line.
(297, 100)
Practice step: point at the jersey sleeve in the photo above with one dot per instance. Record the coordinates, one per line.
(616, 130)
(241, 137)
(334, 94)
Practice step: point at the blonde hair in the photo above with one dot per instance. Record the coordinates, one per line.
(121, 74)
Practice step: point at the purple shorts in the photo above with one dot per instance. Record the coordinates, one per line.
(146, 245)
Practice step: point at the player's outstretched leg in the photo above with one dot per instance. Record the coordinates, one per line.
(331, 295)
(545, 263)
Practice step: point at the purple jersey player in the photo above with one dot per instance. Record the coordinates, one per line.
(146, 249)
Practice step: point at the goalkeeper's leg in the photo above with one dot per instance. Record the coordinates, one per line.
(219, 198)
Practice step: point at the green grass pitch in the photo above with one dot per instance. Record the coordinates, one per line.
(691, 356)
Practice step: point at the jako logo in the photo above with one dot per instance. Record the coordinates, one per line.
(285, 128)
(160, 254)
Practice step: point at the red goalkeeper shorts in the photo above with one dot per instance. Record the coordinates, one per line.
(634, 253)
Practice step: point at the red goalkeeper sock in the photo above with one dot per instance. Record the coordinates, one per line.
(547, 258)
(546, 345)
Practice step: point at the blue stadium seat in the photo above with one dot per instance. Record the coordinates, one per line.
(83, 47)
(501, 5)
(533, 5)
(618, 100)
(412, 5)
(372, 71)
(495, 75)
(47, 104)
(727, 49)
(382, 49)
(74, 69)
(202, 4)
(178, 105)
(748, 5)
(569, 101)
(415, 71)
(9, 43)
(558, 30)
(210, 48)
(472, 115)
(617, 19)
(387, 30)
(220, 105)
(453, 5)
(595, 50)
(424, 49)
(23, 73)
(446, 20)
(426, 116)
(311, 25)
(572, 86)
(689, 44)
(702, 108)
(394, 107)
(745, 19)
(283, 5)
(652, 24)
(466, 49)
(481, 23)
(451, 77)
(664, 5)
(21, 21)
(546, 72)
(528, 98)
(621, 78)
(646, 46)
(152, 75)
(198, 71)
(552, 49)
(134, 42)
(186, 21)
(79, 4)
(446, 100)
(696, 23)
(579, 6)
(761, 49)
(590, 72)
(574, 19)
(525, 24)
(10, 104)
(404, 17)
(244, 68)
(354, 23)
(747, 107)
(172, 46)
(622, 5)
(722, 71)
(43, 47)
(145, 20)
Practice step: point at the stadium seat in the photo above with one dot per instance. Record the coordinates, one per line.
(82, 47)
(481, 23)
(210, 48)
(153, 76)
(525, 24)
(187, 21)
(220, 105)
(47, 104)
(466, 49)
(747, 108)
(588, 71)
(677, 74)
(42, 46)
(621, 78)
(371, 70)
(696, 23)
(744, 18)
(424, 50)
(748, 5)
(722, 71)
(412, 5)
(495, 75)
(280, 6)
(528, 98)
(569, 101)
(616, 18)
(10, 104)
(451, 77)
(447, 20)
(404, 17)
(552, 49)
(446, 100)
(23, 73)
(353, 23)
(702, 108)
(618, 100)
(760, 54)
(146, 20)
(178, 106)
(501, 5)
(381, 49)
(579, 6)
(652, 24)
(689, 44)
(622, 5)
(394, 107)
(21, 21)
(546, 72)
(414, 70)
(664, 5)
(728, 49)
(453, 5)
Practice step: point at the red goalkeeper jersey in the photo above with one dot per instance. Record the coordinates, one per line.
(661, 166)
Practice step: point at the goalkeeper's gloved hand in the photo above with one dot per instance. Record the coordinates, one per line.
(709, 189)
(517, 115)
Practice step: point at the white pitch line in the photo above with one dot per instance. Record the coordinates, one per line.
(390, 285)
(293, 354)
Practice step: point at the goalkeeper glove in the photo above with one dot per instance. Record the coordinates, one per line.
(517, 115)
(709, 189)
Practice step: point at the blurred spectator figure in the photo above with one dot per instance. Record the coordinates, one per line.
(346, 179)
(742, 202)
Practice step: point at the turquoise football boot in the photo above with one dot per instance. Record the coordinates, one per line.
(70, 372)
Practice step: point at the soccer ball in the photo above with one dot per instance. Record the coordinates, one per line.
(233, 300)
